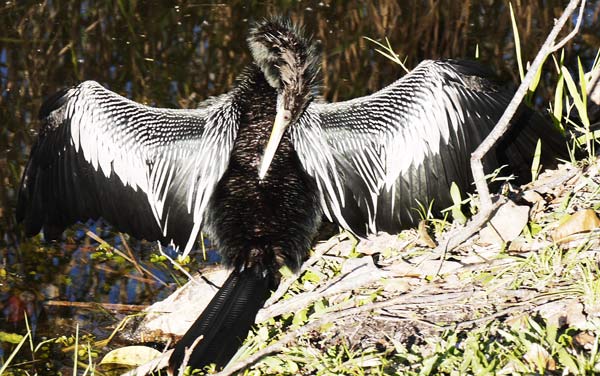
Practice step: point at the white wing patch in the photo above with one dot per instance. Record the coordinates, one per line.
(388, 137)
(147, 147)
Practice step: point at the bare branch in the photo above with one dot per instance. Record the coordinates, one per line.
(503, 124)
(314, 325)
(573, 32)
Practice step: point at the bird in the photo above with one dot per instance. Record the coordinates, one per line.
(259, 167)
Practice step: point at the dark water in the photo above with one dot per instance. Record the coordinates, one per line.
(176, 54)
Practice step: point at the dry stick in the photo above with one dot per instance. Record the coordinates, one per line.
(325, 319)
(177, 266)
(288, 282)
(487, 208)
(118, 252)
(187, 355)
(126, 245)
(463, 233)
(503, 124)
(351, 280)
(94, 305)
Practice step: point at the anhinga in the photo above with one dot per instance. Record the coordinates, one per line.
(257, 167)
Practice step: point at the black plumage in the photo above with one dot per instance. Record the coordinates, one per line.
(257, 167)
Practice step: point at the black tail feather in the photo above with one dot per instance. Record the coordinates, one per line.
(226, 320)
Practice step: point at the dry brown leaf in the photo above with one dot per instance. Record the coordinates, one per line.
(523, 246)
(506, 225)
(376, 243)
(574, 315)
(424, 238)
(564, 312)
(397, 285)
(539, 357)
(549, 180)
(581, 221)
(128, 357)
(533, 197)
(585, 340)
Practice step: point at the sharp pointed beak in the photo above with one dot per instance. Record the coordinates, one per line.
(282, 120)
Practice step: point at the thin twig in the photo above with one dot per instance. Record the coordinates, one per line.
(94, 305)
(325, 319)
(460, 235)
(177, 266)
(573, 32)
(503, 124)
(285, 284)
(136, 265)
(118, 252)
(361, 275)
(187, 354)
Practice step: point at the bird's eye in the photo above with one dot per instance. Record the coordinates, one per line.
(287, 115)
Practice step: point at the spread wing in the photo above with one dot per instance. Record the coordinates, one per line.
(377, 157)
(148, 171)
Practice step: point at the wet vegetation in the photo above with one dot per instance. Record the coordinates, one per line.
(176, 54)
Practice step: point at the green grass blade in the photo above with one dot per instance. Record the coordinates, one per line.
(14, 353)
(387, 51)
(577, 99)
(557, 108)
(582, 83)
(517, 41)
(535, 165)
(76, 350)
(536, 79)
(590, 136)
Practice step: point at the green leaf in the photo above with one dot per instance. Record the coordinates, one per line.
(14, 353)
(588, 137)
(582, 83)
(311, 276)
(579, 102)
(388, 52)
(286, 272)
(273, 362)
(551, 333)
(567, 361)
(128, 357)
(457, 213)
(557, 110)
(536, 79)
(517, 41)
(428, 365)
(10, 337)
(300, 317)
(320, 306)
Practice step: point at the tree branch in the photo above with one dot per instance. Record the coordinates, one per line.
(503, 124)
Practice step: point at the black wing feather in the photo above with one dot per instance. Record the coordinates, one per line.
(148, 171)
(408, 142)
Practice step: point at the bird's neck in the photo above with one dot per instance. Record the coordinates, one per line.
(251, 87)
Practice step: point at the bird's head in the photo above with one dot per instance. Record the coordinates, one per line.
(290, 64)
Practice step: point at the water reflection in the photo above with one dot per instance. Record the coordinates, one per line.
(176, 54)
